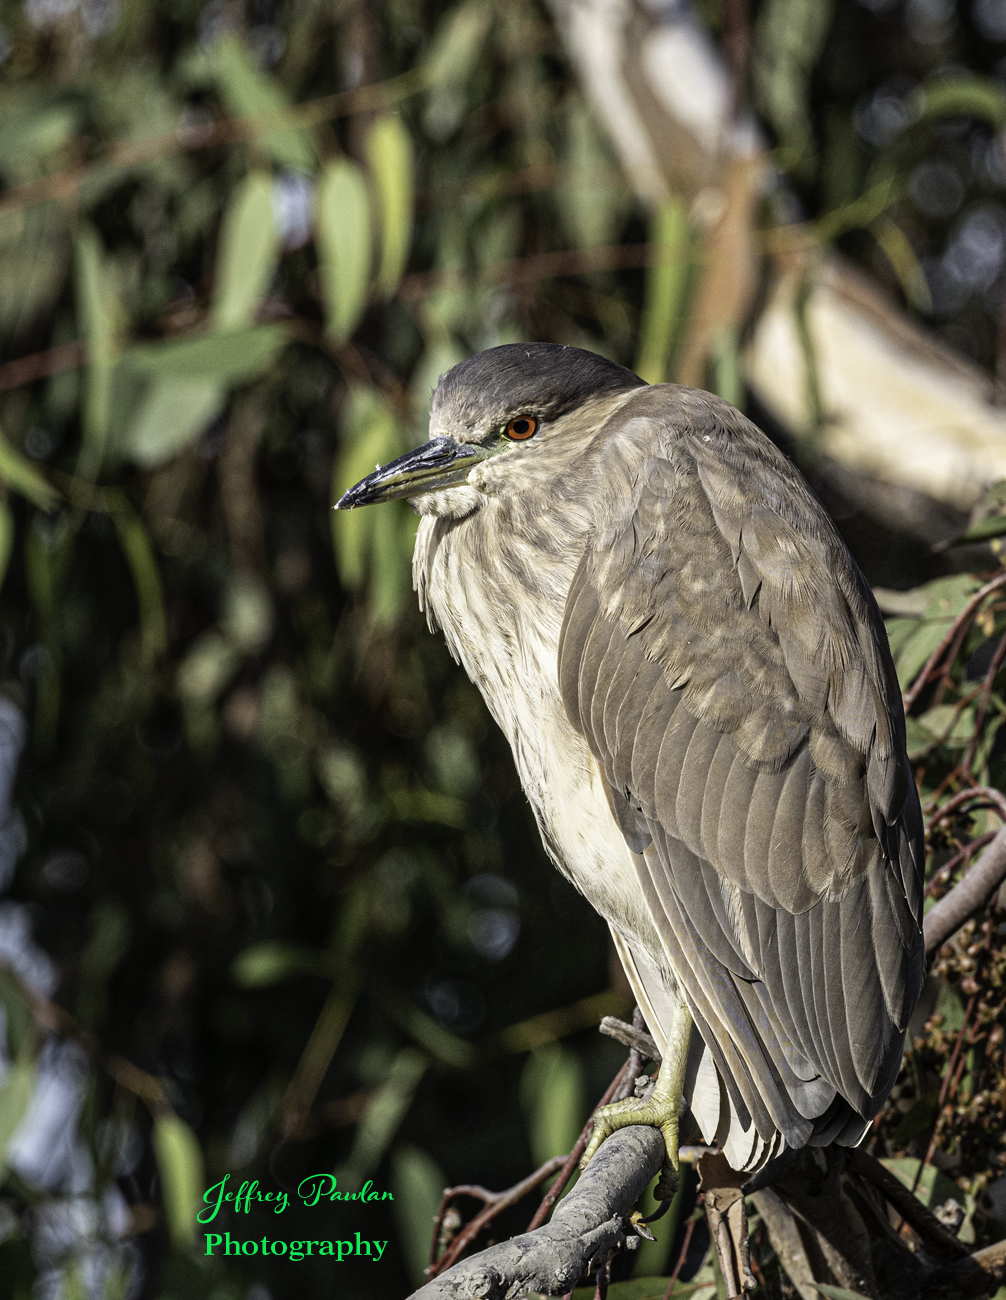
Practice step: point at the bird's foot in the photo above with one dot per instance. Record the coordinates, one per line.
(661, 1108)
(658, 1110)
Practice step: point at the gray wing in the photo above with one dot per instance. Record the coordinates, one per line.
(725, 660)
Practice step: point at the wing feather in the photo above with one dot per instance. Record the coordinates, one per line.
(727, 665)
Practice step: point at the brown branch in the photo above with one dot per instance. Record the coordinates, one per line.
(911, 1209)
(630, 1036)
(227, 130)
(682, 1256)
(39, 365)
(588, 1225)
(948, 868)
(994, 799)
(495, 1203)
(960, 621)
(966, 897)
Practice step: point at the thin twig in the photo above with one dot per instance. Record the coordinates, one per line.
(495, 1203)
(566, 1172)
(912, 694)
(990, 677)
(931, 1148)
(682, 1256)
(226, 130)
(994, 799)
(948, 868)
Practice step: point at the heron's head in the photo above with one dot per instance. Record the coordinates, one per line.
(493, 415)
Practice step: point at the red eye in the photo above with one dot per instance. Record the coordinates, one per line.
(521, 427)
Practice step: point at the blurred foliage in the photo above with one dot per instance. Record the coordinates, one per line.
(279, 906)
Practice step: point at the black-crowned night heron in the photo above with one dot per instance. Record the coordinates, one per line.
(697, 688)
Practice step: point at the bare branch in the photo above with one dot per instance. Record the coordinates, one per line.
(973, 892)
(637, 1039)
(586, 1227)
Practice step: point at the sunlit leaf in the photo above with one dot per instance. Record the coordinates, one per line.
(146, 578)
(417, 1183)
(552, 1095)
(343, 220)
(98, 315)
(20, 474)
(265, 964)
(453, 57)
(390, 158)
(180, 1166)
(666, 291)
(6, 539)
(388, 1107)
(174, 412)
(901, 255)
(789, 36)
(248, 91)
(248, 253)
(369, 437)
(15, 1094)
(231, 358)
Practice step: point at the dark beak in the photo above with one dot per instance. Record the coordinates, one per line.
(439, 463)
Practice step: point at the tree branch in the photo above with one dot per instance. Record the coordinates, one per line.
(973, 892)
(586, 1227)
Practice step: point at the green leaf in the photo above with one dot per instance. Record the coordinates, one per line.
(98, 315)
(36, 132)
(6, 539)
(146, 577)
(901, 255)
(789, 37)
(390, 158)
(14, 1098)
(918, 1120)
(992, 526)
(388, 1107)
(248, 91)
(369, 437)
(453, 57)
(172, 415)
(417, 1184)
(964, 96)
(552, 1096)
(248, 253)
(265, 964)
(23, 477)
(180, 1165)
(343, 220)
(647, 1288)
(667, 283)
(836, 1292)
(231, 358)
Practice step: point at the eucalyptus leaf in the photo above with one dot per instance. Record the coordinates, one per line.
(967, 95)
(230, 358)
(98, 314)
(18, 473)
(180, 1166)
(343, 222)
(666, 291)
(175, 411)
(553, 1099)
(248, 254)
(264, 964)
(15, 1096)
(453, 57)
(248, 91)
(417, 1183)
(391, 163)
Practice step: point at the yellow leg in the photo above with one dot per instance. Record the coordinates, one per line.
(662, 1109)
